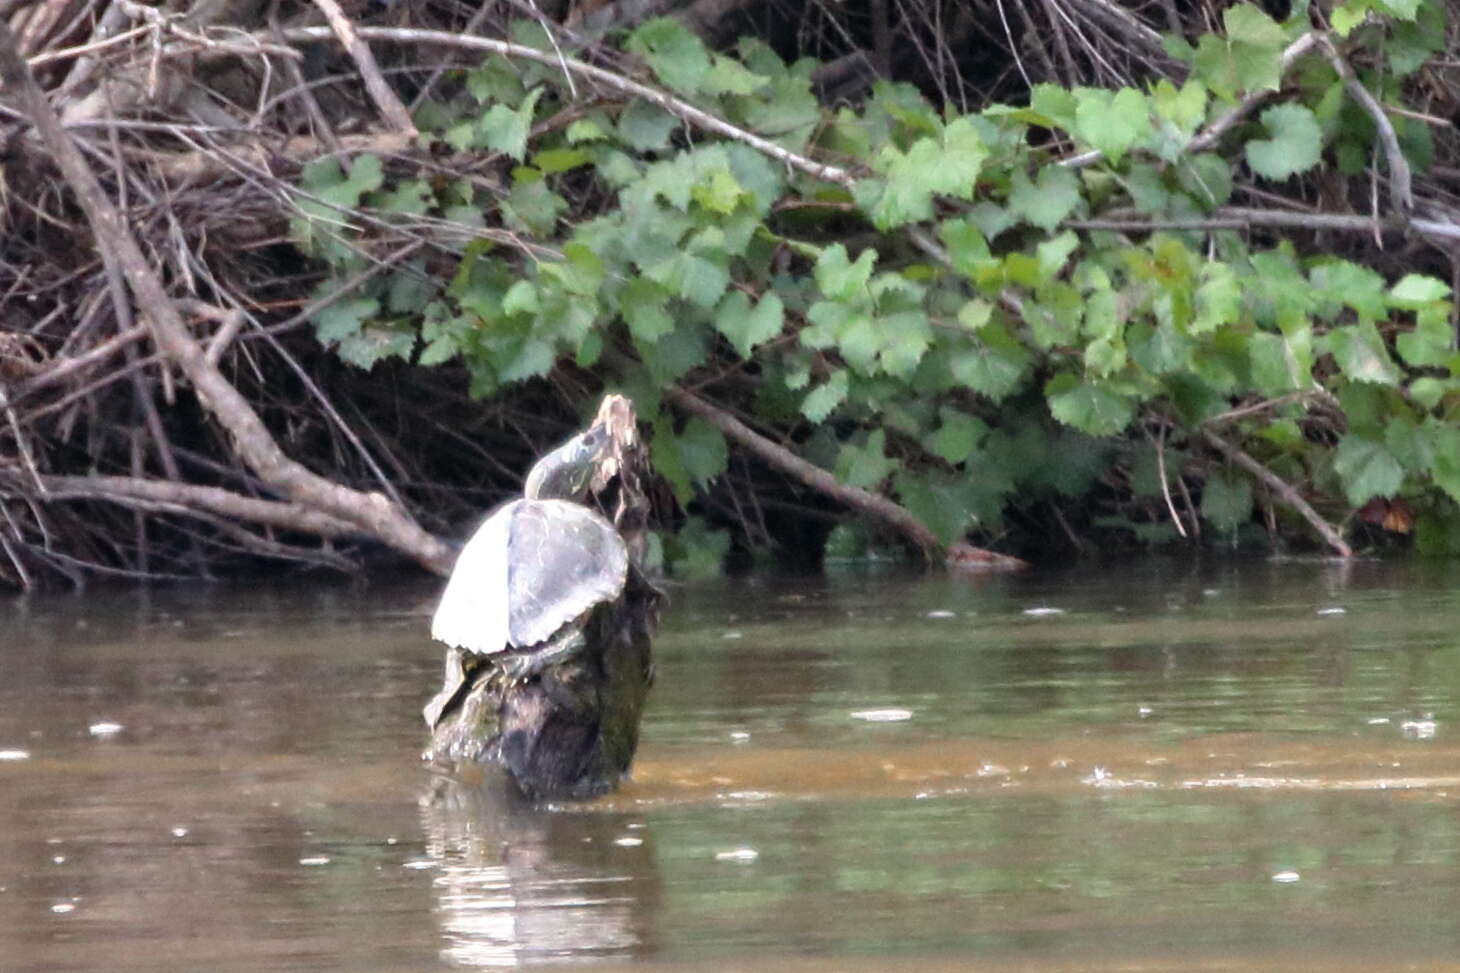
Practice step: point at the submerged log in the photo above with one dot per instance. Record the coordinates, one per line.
(548, 620)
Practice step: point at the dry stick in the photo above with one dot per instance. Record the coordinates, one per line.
(1401, 192)
(205, 499)
(781, 458)
(1282, 489)
(1245, 218)
(383, 95)
(671, 104)
(252, 440)
(68, 366)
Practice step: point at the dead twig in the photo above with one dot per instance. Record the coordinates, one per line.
(1282, 490)
(381, 93)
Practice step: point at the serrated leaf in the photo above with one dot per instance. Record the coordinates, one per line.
(728, 76)
(1226, 501)
(993, 364)
(676, 55)
(1294, 144)
(958, 435)
(820, 401)
(643, 304)
(1367, 469)
(372, 344)
(646, 127)
(702, 450)
(1046, 201)
(865, 466)
(840, 278)
(1218, 298)
(1430, 343)
(521, 298)
(1093, 408)
(343, 318)
(505, 129)
(1416, 290)
(747, 327)
(1360, 352)
(1112, 124)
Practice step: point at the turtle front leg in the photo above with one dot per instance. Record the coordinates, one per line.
(521, 666)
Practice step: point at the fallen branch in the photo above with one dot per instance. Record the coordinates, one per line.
(381, 93)
(818, 479)
(252, 441)
(191, 497)
(1401, 192)
(1282, 489)
(681, 109)
(1245, 218)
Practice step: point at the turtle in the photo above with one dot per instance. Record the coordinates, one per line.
(526, 581)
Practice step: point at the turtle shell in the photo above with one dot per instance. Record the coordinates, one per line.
(533, 567)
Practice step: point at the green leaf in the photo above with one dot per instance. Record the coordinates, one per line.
(993, 364)
(820, 401)
(643, 303)
(728, 76)
(697, 279)
(865, 466)
(675, 54)
(1218, 298)
(343, 318)
(1048, 200)
(1360, 352)
(1295, 143)
(1367, 468)
(702, 450)
(1090, 407)
(506, 130)
(1112, 124)
(746, 327)
(646, 127)
(1247, 59)
(1226, 501)
(1416, 290)
(1430, 343)
(958, 435)
(372, 344)
(839, 278)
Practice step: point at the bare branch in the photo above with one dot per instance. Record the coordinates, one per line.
(1283, 490)
(381, 93)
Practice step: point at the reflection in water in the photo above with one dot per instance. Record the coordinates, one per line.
(521, 884)
(1196, 764)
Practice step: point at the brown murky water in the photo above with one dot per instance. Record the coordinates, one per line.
(1136, 766)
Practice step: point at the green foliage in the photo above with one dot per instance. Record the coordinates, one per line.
(939, 329)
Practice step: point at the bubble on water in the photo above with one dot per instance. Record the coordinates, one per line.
(1097, 776)
(889, 714)
(1210, 592)
(1333, 610)
(1043, 610)
(628, 842)
(733, 635)
(1422, 729)
(15, 754)
(737, 855)
(739, 736)
(312, 860)
(1143, 711)
(61, 908)
(391, 841)
(179, 832)
(1286, 876)
(58, 859)
(992, 770)
(1378, 720)
(942, 613)
(418, 864)
(105, 728)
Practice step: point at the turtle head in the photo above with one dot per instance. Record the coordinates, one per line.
(564, 474)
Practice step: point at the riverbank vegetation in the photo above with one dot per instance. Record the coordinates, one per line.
(969, 281)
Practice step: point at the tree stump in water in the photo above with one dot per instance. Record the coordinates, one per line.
(548, 620)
